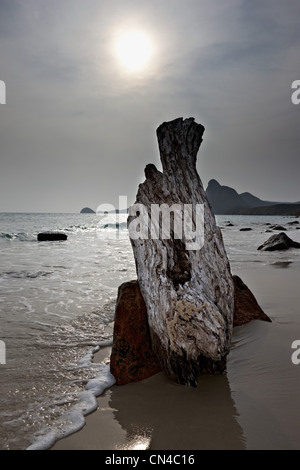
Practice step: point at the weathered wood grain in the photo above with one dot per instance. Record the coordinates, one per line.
(189, 293)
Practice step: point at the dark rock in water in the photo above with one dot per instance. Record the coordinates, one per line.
(281, 264)
(87, 210)
(278, 227)
(295, 222)
(230, 225)
(245, 229)
(51, 236)
(279, 241)
(246, 307)
(132, 358)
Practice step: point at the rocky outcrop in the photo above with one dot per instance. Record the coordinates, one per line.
(188, 288)
(278, 242)
(87, 210)
(226, 200)
(246, 307)
(132, 358)
(51, 236)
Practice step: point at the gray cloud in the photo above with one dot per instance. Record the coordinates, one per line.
(79, 131)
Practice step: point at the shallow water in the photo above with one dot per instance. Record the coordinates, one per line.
(57, 303)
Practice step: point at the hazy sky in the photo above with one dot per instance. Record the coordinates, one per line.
(78, 126)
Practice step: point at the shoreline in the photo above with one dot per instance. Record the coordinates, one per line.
(253, 405)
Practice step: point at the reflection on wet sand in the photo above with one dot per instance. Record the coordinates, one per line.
(159, 415)
(164, 415)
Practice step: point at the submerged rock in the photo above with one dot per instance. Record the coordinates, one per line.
(278, 242)
(51, 236)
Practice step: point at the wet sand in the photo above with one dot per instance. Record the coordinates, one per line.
(254, 405)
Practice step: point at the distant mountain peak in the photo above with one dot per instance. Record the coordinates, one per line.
(223, 198)
(213, 184)
(226, 200)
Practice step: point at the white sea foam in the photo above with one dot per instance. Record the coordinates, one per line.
(73, 420)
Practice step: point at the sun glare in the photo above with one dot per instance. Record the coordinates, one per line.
(134, 50)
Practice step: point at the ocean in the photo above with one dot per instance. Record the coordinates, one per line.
(57, 302)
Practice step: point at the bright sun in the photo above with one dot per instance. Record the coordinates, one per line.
(134, 49)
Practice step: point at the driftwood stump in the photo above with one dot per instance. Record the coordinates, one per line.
(188, 288)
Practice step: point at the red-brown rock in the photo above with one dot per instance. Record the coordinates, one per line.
(246, 307)
(132, 358)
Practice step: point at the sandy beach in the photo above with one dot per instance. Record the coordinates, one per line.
(253, 405)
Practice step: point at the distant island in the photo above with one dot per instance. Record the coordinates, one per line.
(226, 200)
(87, 210)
